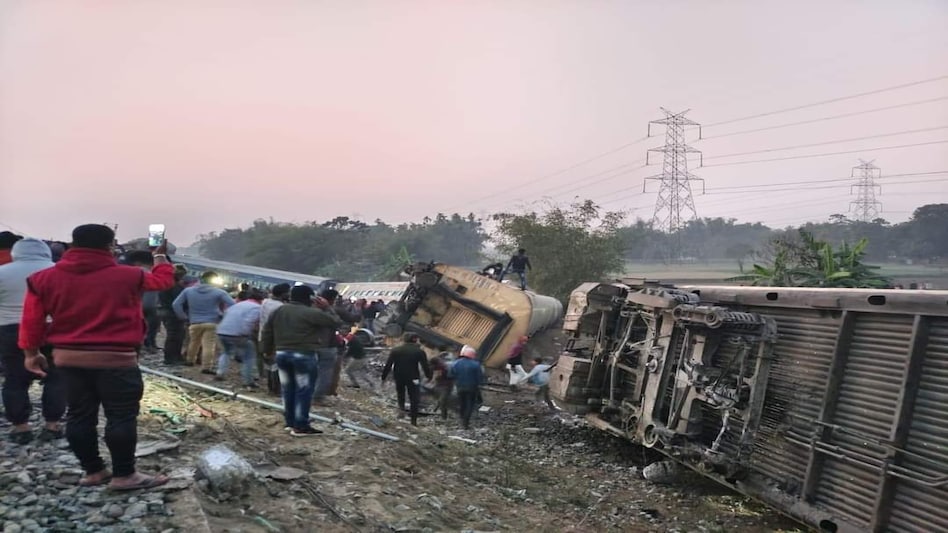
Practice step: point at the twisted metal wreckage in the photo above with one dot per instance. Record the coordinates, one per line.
(828, 404)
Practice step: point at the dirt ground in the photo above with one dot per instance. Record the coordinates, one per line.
(528, 469)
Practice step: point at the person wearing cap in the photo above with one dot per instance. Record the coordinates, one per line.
(403, 362)
(468, 375)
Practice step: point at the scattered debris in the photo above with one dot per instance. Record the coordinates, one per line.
(661, 472)
(151, 447)
(227, 473)
(281, 473)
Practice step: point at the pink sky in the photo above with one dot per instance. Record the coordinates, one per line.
(206, 115)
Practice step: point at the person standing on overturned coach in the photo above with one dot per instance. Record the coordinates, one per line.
(96, 328)
(403, 362)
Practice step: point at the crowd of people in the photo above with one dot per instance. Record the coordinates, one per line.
(78, 317)
(77, 325)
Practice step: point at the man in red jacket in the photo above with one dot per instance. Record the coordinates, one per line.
(96, 328)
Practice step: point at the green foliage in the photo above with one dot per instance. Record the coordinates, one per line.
(395, 265)
(347, 249)
(809, 262)
(567, 245)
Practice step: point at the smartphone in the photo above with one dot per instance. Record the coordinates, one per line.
(156, 235)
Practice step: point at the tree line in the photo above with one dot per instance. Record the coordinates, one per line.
(578, 242)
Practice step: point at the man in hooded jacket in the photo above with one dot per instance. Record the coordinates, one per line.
(96, 327)
(29, 256)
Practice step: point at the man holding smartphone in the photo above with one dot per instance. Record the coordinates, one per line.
(96, 327)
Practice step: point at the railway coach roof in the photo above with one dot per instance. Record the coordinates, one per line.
(210, 264)
(934, 302)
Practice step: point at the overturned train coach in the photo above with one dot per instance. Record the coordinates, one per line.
(831, 405)
(451, 306)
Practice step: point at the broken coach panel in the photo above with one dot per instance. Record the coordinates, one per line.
(451, 306)
(827, 404)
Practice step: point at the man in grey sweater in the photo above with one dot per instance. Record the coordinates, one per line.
(205, 307)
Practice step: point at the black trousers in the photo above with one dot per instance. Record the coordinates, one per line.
(466, 401)
(174, 339)
(153, 321)
(118, 391)
(17, 381)
(414, 396)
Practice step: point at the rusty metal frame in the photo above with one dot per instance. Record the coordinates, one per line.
(898, 435)
(822, 431)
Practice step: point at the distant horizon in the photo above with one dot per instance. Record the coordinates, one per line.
(196, 114)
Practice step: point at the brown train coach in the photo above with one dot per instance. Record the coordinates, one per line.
(830, 405)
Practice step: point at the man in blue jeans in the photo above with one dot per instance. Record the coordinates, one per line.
(328, 344)
(235, 332)
(295, 332)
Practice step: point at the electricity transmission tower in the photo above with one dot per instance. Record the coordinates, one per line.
(674, 206)
(865, 208)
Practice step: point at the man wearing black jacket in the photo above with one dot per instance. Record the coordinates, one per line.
(174, 326)
(403, 362)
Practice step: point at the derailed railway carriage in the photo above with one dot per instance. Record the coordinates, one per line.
(831, 405)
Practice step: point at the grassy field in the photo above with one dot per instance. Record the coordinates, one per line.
(717, 272)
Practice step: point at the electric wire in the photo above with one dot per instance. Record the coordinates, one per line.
(822, 143)
(821, 119)
(824, 102)
(826, 154)
(556, 173)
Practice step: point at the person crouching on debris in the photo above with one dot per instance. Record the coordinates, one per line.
(295, 332)
(403, 361)
(540, 376)
(467, 374)
(515, 362)
(95, 307)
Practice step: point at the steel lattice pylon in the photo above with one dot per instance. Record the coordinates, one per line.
(865, 208)
(674, 206)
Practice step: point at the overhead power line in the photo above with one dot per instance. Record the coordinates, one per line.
(823, 143)
(822, 119)
(554, 174)
(805, 182)
(826, 154)
(829, 101)
(744, 195)
(606, 200)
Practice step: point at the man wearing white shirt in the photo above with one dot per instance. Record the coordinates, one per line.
(540, 375)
